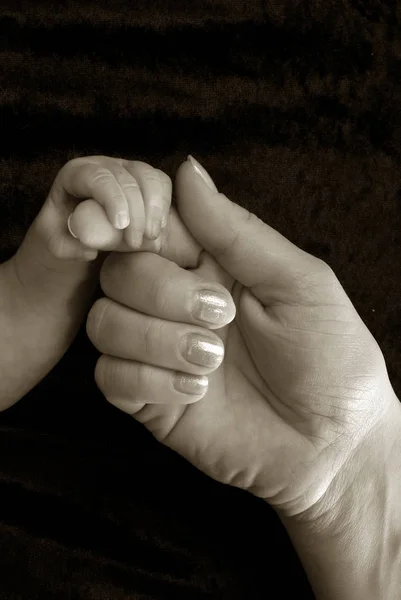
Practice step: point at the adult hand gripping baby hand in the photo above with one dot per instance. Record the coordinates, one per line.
(303, 383)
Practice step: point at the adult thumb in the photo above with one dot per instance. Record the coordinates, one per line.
(252, 252)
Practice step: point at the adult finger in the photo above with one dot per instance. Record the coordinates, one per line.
(252, 252)
(158, 287)
(119, 331)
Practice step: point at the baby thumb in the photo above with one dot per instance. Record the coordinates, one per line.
(252, 252)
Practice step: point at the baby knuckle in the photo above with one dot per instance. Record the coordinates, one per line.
(163, 177)
(157, 175)
(74, 162)
(133, 185)
(80, 162)
(145, 168)
(102, 176)
(116, 198)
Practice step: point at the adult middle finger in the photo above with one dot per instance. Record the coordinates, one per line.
(158, 287)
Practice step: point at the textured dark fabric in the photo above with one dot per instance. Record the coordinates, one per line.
(294, 108)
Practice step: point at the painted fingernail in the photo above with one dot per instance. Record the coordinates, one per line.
(200, 350)
(122, 220)
(191, 384)
(211, 307)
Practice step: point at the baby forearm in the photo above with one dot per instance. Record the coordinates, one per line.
(39, 319)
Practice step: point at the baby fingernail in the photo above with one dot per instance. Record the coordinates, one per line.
(137, 239)
(88, 255)
(69, 226)
(211, 307)
(154, 231)
(122, 220)
(164, 221)
(154, 223)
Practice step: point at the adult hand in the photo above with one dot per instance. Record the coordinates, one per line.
(303, 383)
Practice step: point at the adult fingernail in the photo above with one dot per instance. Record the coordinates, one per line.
(201, 171)
(211, 307)
(203, 351)
(191, 384)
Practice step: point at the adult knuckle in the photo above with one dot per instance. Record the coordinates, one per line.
(327, 274)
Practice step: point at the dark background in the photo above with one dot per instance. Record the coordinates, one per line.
(294, 109)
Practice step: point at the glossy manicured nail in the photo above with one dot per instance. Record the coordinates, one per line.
(211, 307)
(191, 384)
(200, 350)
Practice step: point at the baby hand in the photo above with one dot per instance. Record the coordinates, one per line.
(45, 294)
(125, 200)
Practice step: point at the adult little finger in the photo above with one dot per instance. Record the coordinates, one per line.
(125, 382)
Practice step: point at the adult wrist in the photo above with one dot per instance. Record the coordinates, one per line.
(350, 542)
